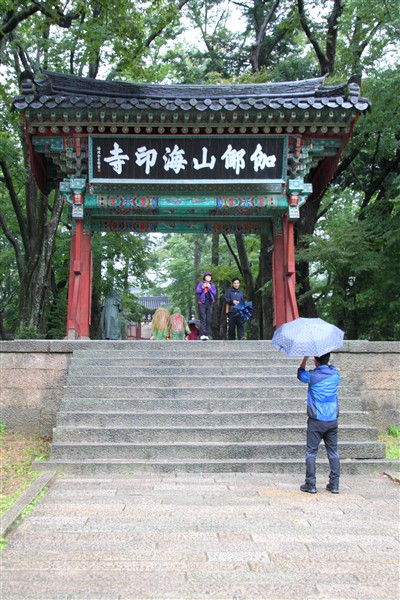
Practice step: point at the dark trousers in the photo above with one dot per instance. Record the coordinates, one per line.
(327, 431)
(234, 322)
(205, 314)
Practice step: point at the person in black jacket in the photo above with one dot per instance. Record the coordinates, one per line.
(233, 297)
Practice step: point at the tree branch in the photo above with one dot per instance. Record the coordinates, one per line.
(12, 19)
(235, 258)
(311, 38)
(359, 41)
(159, 31)
(391, 166)
(14, 200)
(244, 261)
(332, 34)
(346, 162)
(56, 14)
(14, 242)
(255, 58)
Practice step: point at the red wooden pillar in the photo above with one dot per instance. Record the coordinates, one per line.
(284, 272)
(80, 270)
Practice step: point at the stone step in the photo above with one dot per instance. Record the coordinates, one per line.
(185, 359)
(132, 467)
(206, 393)
(161, 435)
(182, 381)
(209, 407)
(220, 349)
(206, 451)
(214, 369)
(196, 419)
(197, 347)
(179, 402)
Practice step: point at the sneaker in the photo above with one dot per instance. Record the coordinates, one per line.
(307, 487)
(332, 488)
(203, 337)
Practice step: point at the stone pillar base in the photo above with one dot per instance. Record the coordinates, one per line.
(73, 335)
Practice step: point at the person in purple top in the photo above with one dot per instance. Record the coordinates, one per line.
(206, 294)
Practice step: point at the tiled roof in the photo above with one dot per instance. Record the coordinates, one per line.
(153, 302)
(58, 90)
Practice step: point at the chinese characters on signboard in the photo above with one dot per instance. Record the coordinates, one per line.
(186, 159)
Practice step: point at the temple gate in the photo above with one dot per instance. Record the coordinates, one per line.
(185, 158)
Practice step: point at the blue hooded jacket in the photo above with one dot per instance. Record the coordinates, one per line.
(322, 397)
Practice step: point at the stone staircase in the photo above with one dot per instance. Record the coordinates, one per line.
(213, 406)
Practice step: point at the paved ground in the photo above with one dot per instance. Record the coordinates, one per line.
(221, 536)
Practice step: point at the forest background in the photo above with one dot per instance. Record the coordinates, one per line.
(347, 244)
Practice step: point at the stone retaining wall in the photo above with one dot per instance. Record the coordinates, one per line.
(33, 372)
(374, 369)
(32, 382)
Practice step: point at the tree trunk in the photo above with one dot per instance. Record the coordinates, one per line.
(95, 330)
(2, 330)
(253, 325)
(36, 280)
(264, 288)
(256, 49)
(305, 227)
(215, 325)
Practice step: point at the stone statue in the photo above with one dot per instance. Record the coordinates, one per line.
(110, 317)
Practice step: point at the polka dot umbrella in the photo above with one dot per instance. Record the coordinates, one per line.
(307, 337)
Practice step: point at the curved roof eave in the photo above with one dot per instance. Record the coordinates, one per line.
(54, 90)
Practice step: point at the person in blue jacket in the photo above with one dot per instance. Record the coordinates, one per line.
(233, 297)
(206, 294)
(322, 424)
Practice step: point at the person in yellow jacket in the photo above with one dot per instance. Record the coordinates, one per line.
(160, 324)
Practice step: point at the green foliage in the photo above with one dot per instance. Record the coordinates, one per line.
(353, 254)
(175, 259)
(18, 452)
(56, 324)
(354, 271)
(8, 288)
(132, 310)
(123, 258)
(293, 68)
(392, 452)
(29, 332)
(391, 439)
(394, 431)
(370, 32)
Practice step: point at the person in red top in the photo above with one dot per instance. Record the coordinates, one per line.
(206, 294)
(194, 330)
